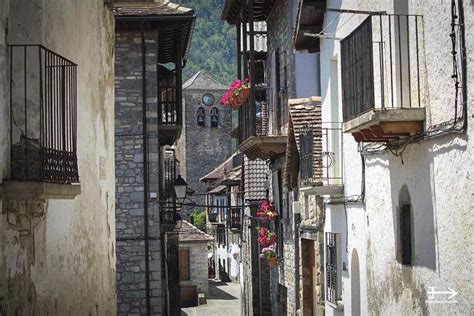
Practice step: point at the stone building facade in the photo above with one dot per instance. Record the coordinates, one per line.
(202, 148)
(130, 185)
(148, 120)
(57, 243)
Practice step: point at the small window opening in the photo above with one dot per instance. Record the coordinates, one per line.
(214, 117)
(201, 116)
(405, 234)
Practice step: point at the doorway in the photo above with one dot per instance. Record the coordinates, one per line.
(309, 277)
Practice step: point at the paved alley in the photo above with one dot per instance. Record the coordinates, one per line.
(223, 297)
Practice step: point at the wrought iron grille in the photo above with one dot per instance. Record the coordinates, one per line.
(234, 218)
(43, 115)
(380, 65)
(332, 294)
(320, 154)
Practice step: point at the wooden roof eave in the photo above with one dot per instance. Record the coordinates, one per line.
(172, 24)
(232, 8)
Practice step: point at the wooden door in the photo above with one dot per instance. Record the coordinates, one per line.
(309, 277)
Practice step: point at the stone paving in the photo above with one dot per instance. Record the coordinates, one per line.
(224, 299)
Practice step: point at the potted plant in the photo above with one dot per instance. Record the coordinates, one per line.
(266, 211)
(266, 237)
(270, 255)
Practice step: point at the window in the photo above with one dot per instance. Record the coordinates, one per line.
(201, 116)
(184, 271)
(405, 234)
(214, 117)
(220, 232)
(333, 273)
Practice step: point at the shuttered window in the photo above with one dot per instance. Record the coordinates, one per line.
(184, 274)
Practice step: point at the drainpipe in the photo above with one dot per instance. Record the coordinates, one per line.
(145, 176)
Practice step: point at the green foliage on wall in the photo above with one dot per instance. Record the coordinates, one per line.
(213, 45)
(200, 219)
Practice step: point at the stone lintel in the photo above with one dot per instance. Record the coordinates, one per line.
(32, 190)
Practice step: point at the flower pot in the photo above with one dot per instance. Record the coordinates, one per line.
(273, 261)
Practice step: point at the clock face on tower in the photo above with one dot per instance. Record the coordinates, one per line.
(208, 99)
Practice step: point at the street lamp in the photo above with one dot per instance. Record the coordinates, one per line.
(180, 188)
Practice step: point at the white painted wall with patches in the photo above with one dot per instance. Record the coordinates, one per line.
(437, 174)
(69, 268)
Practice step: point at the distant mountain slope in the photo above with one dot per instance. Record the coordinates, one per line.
(213, 45)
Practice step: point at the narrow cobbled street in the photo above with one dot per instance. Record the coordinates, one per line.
(224, 299)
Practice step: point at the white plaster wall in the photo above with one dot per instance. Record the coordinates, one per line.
(438, 174)
(74, 270)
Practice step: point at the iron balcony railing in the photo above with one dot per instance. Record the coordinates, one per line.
(321, 154)
(381, 65)
(234, 218)
(168, 207)
(43, 115)
(169, 173)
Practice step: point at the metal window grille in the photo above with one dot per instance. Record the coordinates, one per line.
(332, 294)
(234, 218)
(43, 115)
(320, 154)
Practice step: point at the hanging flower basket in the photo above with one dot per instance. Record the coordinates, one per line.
(266, 237)
(237, 94)
(266, 211)
(270, 255)
(273, 261)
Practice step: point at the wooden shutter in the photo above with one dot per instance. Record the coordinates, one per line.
(184, 265)
(405, 234)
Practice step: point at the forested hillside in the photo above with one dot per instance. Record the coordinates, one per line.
(213, 45)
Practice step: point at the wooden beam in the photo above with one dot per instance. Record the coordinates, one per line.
(407, 127)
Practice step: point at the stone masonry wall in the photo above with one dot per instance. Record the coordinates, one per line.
(198, 266)
(280, 32)
(130, 218)
(206, 147)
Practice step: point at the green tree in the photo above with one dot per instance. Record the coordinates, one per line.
(213, 47)
(200, 219)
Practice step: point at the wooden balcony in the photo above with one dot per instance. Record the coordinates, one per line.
(383, 96)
